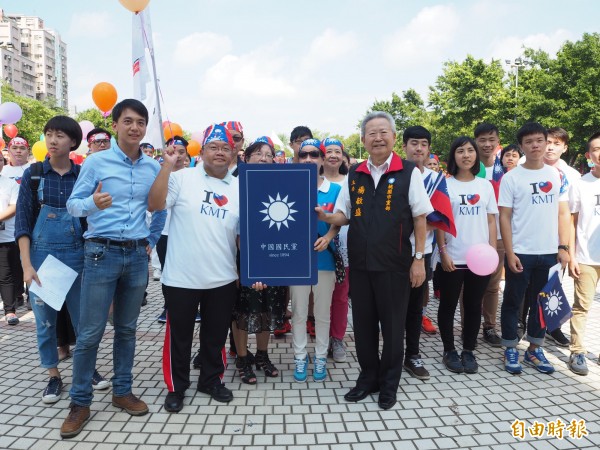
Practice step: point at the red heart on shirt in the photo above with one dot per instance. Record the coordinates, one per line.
(545, 186)
(473, 198)
(220, 200)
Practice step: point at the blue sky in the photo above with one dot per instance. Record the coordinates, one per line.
(276, 64)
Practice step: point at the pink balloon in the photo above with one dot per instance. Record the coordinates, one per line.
(86, 127)
(10, 112)
(198, 136)
(482, 259)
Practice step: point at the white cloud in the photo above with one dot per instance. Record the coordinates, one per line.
(91, 25)
(258, 73)
(509, 47)
(196, 47)
(424, 39)
(330, 45)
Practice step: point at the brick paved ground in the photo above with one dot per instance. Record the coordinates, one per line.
(448, 411)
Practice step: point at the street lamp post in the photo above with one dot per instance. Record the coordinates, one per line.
(517, 63)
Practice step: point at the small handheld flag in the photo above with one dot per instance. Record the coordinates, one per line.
(442, 216)
(553, 305)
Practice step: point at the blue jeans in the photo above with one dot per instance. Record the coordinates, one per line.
(534, 276)
(114, 275)
(58, 234)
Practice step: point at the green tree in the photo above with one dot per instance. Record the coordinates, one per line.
(354, 146)
(95, 116)
(564, 91)
(468, 93)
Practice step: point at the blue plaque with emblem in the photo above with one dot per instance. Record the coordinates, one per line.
(278, 224)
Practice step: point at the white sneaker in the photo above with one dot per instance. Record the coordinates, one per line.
(338, 350)
(157, 274)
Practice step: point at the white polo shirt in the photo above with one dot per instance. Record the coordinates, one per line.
(203, 230)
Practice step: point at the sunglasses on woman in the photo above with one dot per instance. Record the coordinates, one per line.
(312, 154)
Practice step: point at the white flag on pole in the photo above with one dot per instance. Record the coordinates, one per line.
(144, 86)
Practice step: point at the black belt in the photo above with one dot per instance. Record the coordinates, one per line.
(122, 244)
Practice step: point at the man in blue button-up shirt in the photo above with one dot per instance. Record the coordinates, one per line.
(112, 192)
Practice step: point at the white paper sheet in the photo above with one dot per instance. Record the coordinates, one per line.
(56, 278)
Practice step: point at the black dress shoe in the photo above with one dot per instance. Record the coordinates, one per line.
(219, 393)
(174, 402)
(386, 401)
(357, 394)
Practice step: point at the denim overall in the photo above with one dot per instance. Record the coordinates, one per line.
(59, 234)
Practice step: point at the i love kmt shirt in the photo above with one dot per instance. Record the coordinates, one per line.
(203, 230)
(533, 196)
(471, 201)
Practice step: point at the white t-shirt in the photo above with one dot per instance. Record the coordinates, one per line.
(15, 172)
(571, 174)
(9, 191)
(472, 201)
(584, 198)
(533, 196)
(203, 230)
(429, 236)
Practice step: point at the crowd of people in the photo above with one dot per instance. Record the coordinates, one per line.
(379, 240)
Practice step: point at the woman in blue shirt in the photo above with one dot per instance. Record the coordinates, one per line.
(310, 153)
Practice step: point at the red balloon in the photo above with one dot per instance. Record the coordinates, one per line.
(77, 159)
(2, 144)
(10, 130)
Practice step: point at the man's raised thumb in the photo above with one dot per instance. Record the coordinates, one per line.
(99, 188)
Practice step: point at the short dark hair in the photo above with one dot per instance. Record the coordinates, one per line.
(68, 126)
(254, 147)
(485, 127)
(452, 168)
(129, 103)
(177, 138)
(593, 137)
(559, 133)
(511, 148)
(416, 132)
(96, 131)
(299, 132)
(531, 128)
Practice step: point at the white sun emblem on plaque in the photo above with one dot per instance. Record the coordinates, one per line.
(554, 302)
(278, 211)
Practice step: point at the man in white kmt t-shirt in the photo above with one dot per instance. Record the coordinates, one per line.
(531, 199)
(584, 200)
(204, 203)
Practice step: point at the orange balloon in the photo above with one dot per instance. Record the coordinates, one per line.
(2, 144)
(193, 148)
(105, 96)
(10, 130)
(172, 129)
(134, 6)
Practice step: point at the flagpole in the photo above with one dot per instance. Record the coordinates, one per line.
(151, 51)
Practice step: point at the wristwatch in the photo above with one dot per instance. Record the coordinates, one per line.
(418, 256)
(563, 247)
